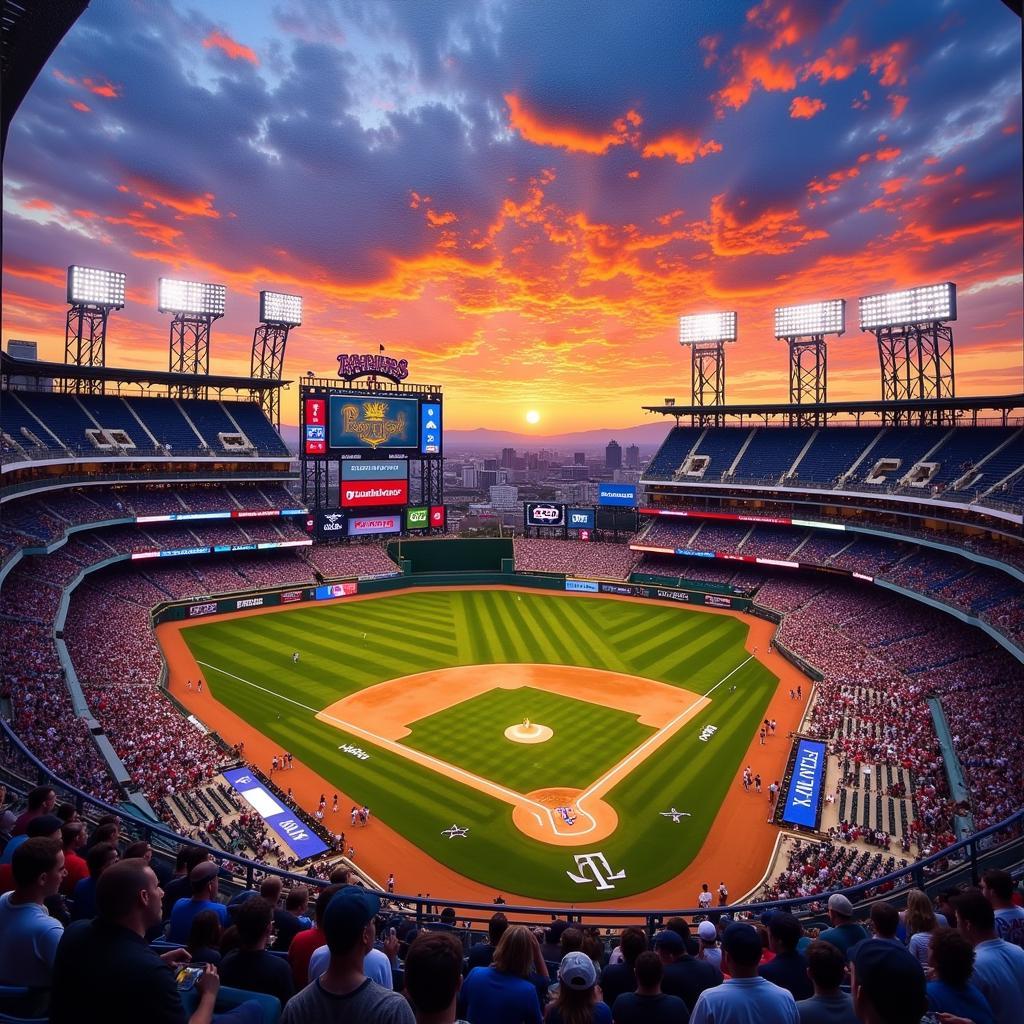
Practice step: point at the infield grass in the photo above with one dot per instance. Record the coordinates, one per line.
(346, 647)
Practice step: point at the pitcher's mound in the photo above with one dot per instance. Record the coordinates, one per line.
(532, 733)
(553, 816)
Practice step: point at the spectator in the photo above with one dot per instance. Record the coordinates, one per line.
(788, 968)
(826, 967)
(577, 1001)
(710, 951)
(482, 953)
(998, 964)
(45, 826)
(204, 938)
(845, 932)
(73, 838)
(306, 943)
(551, 947)
(377, 965)
(179, 886)
(343, 994)
(619, 977)
(105, 971)
(433, 976)
(885, 922)
(683, 975)
(951, 959)
(250, 966)
(744, 996)
(41, 800)
(503, 993)
(997, 888)
(293, 919)
(28, 935)
(100, 857)
(203, 881)
(648, 1004)
(919, 922)
(886, 984)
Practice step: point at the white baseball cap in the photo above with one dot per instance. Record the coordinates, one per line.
(707, 931)
(577, 971)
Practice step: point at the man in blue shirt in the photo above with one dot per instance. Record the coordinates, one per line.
(203, 879)
(998, 964)
(788, 969)
(845, 933)
(887, 984)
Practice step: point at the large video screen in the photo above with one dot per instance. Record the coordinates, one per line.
(374, 424)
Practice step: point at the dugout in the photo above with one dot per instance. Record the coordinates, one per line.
(448, 556)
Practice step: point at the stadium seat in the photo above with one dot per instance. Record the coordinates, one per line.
(228, 998)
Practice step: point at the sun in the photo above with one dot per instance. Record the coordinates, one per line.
(533, 416)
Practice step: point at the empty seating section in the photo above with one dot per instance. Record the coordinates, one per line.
(208, 418)
(256, 427)
(13, 417)
(964, 449)
(61, 413)
(833, 452)
(673, 450)
(111, 413)
(165, 422)
(1009, 459)
(907, 444)
(721, 445)
(771, 452)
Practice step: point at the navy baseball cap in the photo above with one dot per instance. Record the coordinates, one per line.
(742, 943)
(351, 909)
(890, 977)
(43, 825)
(670, 940)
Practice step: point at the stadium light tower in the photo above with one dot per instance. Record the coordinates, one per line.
(915, 344)
(92, 294)
(279, 313)
(804, 328)
(195, 306)
(706, 335)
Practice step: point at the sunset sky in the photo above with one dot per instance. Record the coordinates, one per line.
(522, 197)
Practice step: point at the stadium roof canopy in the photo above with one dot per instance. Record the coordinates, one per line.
(41, 369)
(972, 403)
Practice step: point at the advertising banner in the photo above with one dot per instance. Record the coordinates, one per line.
(582, 586)
(197, 610)
(287, 825)
(360, 526)
(316, 426)
(363, 493)
(581, 519)
(430, 428)
(802, 797)
(437, 517)
(336, 590)
(374, 424)
(365, 469)
(623, 495)
(291, 596)
(417, 517)
(330, 525)
(249, 602)
(543, 513)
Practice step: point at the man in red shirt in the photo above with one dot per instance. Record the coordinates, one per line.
(305, 944)
(73, 837)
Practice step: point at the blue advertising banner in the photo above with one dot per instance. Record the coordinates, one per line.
(374, 424)
(287, 825)
(580, 519)
(623, 495)
(362, 469)
(430, 428)
(802, 803)
(582, 586)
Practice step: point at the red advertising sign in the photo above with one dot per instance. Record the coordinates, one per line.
(437, 516)
(316, 411)
(361, 493)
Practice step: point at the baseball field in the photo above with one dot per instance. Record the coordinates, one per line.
(644, 709)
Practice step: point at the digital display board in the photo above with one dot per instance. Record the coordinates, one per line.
(430, 428)
(370, 424)
(417, 517)
(437, 517)
(802, 797)
(332, 590)
(543, 513)
(362, 526)
(370, 493)
(581, 519)
(622, 495)
(362, 469)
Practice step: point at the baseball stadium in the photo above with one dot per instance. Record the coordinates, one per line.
(251, 617)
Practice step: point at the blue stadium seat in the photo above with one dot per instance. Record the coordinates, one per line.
(228, 998)
(250, 417)
(966, 447)
(833, 452)
(771, 452)
(209, 419)
(721, 445)
(165, 422)
(112, 414)
(673, 450)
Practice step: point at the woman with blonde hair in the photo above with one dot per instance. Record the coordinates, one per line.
(503, 993)
(919, 921)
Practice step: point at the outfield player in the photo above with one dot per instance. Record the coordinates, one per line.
(295, 658)
(704, 897)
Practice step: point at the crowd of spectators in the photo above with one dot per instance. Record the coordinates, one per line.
(343, 561)
(609, 561)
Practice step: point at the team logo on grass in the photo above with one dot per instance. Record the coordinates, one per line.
(347, 748)
(455, 832)
(567, 814)
(707, 732)
(597, 864)
(675, 815)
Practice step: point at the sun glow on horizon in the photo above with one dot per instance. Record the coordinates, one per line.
(533, 416)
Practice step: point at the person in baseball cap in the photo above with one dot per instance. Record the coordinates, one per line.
(887, 984)
(845, 933)
(744, 995)
(577, 991)
(709, 948)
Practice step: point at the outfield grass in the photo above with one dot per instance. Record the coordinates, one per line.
(472, 736)
(419, 631)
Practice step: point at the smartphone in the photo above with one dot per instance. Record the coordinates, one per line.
(188, 975)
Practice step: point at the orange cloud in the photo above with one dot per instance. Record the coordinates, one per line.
(772, 232)
(146, 227)
(436, 220)
(888, 64)
(236, 51)
(938, 179)
(899, 104)
(200, 205)
(888, 154)
(535, 129)
(753, 68)
(633, 174)
(78, 105)
(105, 89)
(836, 64)
(683, 149)
(834, 180)
(806, 107)
(38, 204)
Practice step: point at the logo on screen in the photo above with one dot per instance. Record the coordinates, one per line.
(437, 515)
(315, 434)
(371, 424)
(416, 518)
